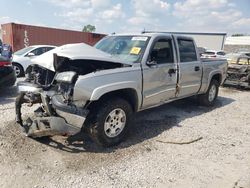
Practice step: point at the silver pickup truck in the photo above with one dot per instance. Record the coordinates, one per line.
(97, 89)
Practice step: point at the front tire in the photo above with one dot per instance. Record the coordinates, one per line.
(209, 98)
(110, 123)
(18, 69)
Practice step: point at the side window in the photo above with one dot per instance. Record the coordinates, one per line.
(221, 53)
(162, 52)
(187, 50)
(39, 51)
(48, 49)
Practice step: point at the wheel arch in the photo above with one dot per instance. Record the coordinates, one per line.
(217, 77)
(22, 73)
(14, 62)
(128, 94)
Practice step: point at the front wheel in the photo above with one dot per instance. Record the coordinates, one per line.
(208, 99)
(110, 124)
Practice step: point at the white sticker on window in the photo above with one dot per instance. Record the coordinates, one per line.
(140, 38)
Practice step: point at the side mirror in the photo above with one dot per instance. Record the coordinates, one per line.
(152, 61)
(30, 54)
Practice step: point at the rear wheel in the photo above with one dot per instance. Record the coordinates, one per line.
(110, 124)
(18, 69)
(208, 99)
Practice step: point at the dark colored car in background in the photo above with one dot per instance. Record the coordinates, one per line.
(7, 73)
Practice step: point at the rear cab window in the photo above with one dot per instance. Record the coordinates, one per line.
(187, 50)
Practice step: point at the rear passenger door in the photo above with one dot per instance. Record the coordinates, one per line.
(190, 67)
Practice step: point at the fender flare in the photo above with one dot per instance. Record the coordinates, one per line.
(102, 90)
(211, 74)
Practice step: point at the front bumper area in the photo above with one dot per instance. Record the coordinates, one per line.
(71, 113)
(48, 126)
(54, 117)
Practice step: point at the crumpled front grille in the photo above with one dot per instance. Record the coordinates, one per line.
(39, 75)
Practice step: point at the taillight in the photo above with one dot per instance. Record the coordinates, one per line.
(5, 63)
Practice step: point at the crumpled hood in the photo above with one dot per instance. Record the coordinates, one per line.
(73, 52)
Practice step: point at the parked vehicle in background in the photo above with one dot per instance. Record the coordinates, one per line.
(106, 84)
(242, 56)
(7, 73)
(201, 50)
(6, 51)
(22, 58)
(213, 54)
(238, 73)
(1, 46)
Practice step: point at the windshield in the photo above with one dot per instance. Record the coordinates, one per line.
(126, 48)
(23, 51)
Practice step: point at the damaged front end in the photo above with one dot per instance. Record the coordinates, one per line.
(50, 84)
(238, 75)
(56, 114)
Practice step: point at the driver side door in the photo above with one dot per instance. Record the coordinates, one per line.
(159, 75)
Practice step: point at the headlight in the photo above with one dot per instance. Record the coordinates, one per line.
(67, 77)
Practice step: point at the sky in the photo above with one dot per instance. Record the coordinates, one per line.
(123, 16)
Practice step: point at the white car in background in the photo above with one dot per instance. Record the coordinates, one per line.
(213, 54)
(22, 58)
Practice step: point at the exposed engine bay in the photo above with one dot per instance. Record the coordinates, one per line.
(44, 77)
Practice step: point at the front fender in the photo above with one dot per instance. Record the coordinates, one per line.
(94, 85)
(102, 90)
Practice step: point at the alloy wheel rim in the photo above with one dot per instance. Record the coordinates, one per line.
(115, 122)
(17, 70)
(212, 93)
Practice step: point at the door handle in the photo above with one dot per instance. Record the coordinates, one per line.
(196, 68)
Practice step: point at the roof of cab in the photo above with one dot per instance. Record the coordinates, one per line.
(40, 45)
(153, 34)
(140, 34)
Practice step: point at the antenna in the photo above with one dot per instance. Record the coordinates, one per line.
(143, 31)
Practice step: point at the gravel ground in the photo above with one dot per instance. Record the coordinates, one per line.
(220, 159)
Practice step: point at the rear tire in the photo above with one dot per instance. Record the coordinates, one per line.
(18, 69)
(110, 122)
(209, 98)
